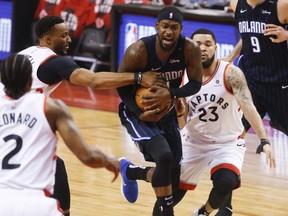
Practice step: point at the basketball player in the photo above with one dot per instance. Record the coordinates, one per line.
(263, 28)
(264, 56)
(50, 68)
(212, 132)
(156, 132)
(28, 144)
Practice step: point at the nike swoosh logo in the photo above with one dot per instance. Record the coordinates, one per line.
(240, 144)
(243, 11)
(284, 87)
(155, 69)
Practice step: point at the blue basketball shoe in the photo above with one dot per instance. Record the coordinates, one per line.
(129, 188)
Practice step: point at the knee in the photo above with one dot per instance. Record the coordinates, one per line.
(165, 159)
(224, 181)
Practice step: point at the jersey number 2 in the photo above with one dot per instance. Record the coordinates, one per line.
(5, 162)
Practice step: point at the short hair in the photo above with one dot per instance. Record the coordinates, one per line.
(16, 74)
(204, 31)
(45, 24)
(170, 13)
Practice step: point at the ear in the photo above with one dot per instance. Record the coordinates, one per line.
(47, 39)
(157, 25)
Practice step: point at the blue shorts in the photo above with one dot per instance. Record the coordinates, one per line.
(142, 131)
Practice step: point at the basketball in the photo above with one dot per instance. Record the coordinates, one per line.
(145, 91)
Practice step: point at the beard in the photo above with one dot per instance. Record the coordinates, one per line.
(208, 62)
(165, 48)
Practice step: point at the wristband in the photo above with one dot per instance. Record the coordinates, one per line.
(137, 78)
(263, 142)
(172, 94)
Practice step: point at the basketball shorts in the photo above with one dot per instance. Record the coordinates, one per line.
(198, 156)
(26, 202)
(141, 131)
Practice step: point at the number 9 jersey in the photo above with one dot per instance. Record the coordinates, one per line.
(262, 60)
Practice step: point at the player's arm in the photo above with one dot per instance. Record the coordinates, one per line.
(194, 71)
(234, 53)
(60, 119)
(279, 33)
(181, 108)
(110, 80)
(233, 4)
(236, 81)
(134, 59)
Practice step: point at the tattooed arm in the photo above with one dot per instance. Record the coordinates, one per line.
(236, 81)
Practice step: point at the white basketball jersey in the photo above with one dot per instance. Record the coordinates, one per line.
(214, 113)
(37, 56)
(27, 144)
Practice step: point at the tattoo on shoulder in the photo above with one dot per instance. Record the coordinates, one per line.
(236, 81)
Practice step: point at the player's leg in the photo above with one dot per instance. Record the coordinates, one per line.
(224, 181)
(160, 152)
(156, 149)
(61, 187)
(177, 197)
(226, 209)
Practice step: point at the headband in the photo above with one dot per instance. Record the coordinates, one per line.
(170, 13)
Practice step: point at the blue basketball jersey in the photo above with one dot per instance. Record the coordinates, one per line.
(262, 60)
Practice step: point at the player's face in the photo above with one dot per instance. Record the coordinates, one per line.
(208, 48)
(60, 39)
(168, 33)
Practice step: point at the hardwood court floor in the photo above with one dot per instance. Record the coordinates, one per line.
(264, 191)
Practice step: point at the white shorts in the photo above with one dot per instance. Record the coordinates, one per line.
(27, 202)
(197, 157)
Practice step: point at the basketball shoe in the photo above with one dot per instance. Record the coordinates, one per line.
(129, 188)
(224, 211)
(196, 213)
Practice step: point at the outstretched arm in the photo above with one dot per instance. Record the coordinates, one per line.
(234, 53)
(236, 81)
(110, 80)
(60, 119)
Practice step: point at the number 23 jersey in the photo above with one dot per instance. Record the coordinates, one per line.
(214, 114)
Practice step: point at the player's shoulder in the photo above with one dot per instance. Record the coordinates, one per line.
(232, 71)
(136, 50)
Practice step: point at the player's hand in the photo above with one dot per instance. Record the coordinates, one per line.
(159, 97)
(113, 165)
(151, 78)
(265, 147)
(154, 115)
(276, 34)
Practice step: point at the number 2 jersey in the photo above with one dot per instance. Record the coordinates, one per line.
(262, 60)
(214, 114)
(27, 144)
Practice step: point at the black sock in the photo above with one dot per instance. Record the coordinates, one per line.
(165, 205)
(137, 172)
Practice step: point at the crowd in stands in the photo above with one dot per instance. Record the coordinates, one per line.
(80, 14)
